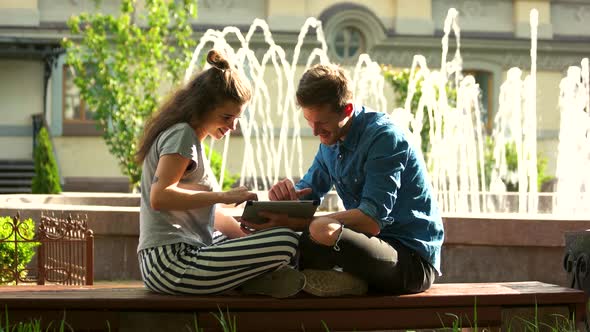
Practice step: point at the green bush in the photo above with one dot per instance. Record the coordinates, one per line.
(399, 80)
(24, 250)
(46, 179)
(542, 176)
(215, 162)
(512, 165)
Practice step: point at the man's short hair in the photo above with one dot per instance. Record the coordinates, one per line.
(324, 85)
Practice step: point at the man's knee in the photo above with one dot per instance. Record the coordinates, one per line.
(325, 230)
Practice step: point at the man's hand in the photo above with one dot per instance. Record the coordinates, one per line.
(284, 190)
(273, 220)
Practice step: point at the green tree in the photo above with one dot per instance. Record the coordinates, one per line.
(122, 64)
(46, 179)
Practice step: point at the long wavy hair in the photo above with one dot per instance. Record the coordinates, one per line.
(192, 102)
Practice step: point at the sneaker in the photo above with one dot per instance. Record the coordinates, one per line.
(280, 283)
(333, 283)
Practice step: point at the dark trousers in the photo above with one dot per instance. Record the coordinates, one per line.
(393, 269)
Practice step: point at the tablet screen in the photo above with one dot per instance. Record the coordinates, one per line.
(298, 209)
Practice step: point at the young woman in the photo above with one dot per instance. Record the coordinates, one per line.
(177, 250)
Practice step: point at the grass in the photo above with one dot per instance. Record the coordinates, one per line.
(35, 325)
(519, 324)
(228, 323)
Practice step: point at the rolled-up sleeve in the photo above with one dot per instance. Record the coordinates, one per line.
(386, 160)
(317, 178)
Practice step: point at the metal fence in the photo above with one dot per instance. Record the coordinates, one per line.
(64, 252)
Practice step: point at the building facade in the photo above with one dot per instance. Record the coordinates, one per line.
(495, 36)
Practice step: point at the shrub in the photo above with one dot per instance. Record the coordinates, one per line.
(511, 155)
(46, 179)
(24, 250)
(215, 163)
(399, 80)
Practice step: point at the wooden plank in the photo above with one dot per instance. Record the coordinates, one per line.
(132, 307)
(527, 293)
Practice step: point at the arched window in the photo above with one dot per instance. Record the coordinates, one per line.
(348, 43)
(351, 30)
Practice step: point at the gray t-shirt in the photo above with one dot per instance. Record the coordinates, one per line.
(194, 227)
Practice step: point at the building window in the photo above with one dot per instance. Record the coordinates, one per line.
(485, 81)
(349, 43)
(78, 119)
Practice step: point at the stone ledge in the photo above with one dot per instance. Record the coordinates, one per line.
(489, 230)
(499, 230)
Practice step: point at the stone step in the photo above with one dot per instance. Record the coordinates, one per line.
(15, 190)
(17, 175)
(6, 167)
(15, 182)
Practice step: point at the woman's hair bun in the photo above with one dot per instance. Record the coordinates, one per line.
(217, 60)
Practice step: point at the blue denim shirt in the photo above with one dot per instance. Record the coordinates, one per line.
(377, 171)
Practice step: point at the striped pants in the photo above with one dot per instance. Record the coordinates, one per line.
(181, 268)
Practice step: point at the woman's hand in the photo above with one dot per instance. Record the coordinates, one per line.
(238, 195)
(227, 224)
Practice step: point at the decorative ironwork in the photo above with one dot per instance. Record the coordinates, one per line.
(65, 252)
(21, 236)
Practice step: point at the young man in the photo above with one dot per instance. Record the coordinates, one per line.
(389, 237)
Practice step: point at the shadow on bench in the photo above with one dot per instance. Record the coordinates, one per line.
(132, 308)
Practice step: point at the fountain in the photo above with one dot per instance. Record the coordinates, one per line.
(456, 159)
(573, 159)
(273, 156)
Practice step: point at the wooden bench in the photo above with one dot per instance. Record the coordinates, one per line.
(133, 308)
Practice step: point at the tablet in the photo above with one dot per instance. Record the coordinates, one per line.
(297, 209)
